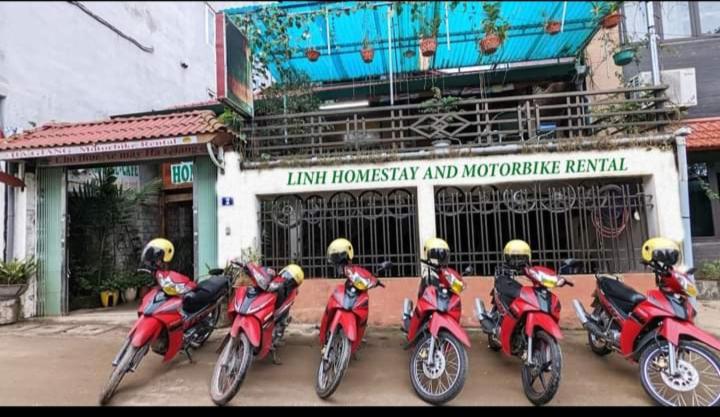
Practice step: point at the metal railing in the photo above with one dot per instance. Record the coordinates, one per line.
(468, 123)
(381, 224)
(601, 224)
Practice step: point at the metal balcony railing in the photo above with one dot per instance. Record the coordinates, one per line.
(540, 118)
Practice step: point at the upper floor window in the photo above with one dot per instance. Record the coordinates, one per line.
(673, 19)
(209, 26)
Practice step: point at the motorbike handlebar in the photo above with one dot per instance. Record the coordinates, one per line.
(570, 283)
(380, 284)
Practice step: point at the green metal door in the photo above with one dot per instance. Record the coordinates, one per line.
(205, 215)
(52, 285)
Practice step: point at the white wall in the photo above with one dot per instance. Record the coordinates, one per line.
(657, 167)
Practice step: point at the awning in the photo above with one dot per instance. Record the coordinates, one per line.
(458, 36)
(172, 135)
(705, 135)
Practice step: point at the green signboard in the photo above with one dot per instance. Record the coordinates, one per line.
(181, 173)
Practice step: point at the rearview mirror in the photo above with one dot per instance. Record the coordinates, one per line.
(569, 266)
(469, 270)
(216, 271)
(385, 266)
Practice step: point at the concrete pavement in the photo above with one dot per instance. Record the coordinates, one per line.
(65, 361)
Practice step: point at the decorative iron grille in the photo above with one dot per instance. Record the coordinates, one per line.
(600, 224)
(381, 224)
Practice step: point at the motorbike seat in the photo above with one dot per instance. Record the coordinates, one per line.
(206, 292)
(624, 297)
(507, 288)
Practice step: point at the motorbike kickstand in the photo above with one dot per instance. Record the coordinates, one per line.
(188, 354)
(275, 359)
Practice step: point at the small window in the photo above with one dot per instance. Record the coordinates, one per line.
(675, 19)
(209, 26)
(709, 17)
(701, 221)
(635, 21)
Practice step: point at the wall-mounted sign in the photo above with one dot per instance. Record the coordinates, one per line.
(234, 72)
(181, 173)
(537, 168)
(227, 201)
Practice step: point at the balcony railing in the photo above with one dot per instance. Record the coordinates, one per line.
(487, 122)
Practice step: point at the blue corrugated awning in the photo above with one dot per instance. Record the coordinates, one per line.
(526, 39)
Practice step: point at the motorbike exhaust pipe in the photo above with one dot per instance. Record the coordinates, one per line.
(479, 309)
(406, 314)
(588, 323)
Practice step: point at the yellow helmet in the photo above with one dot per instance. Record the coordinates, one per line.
(340, 251)
(436, 250)
(661, 250)
(517, 253)
(157, 250)
(293, 271)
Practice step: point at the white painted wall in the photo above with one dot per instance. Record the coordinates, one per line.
(59, 64)
(657, 167)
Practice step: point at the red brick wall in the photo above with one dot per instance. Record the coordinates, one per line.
(386, 303)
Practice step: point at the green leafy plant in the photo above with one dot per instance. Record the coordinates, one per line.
(493, 23)
(438, 103)
(17, 271)
(709, 271)
(601, 9)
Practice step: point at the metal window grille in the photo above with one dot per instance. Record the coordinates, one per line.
(602, 225)
(381, 224)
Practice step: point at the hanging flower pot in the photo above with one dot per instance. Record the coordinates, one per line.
(624, 56)
(490, 43)
(552, 27)
(611, 20)
(367, 52)
(312, 54)
(428, 46)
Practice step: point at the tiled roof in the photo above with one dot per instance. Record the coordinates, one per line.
(705, 134)
(116, 130)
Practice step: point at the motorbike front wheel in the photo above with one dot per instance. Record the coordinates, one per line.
(333, 366)
(541, 380)
(230, 369)
(696, 382)
(441, 380)
(118, 373)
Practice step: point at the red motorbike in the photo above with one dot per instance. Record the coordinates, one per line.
(343, 325)
(438, 364)
(176, 315)
(657, 330)
(524, 321)
(260, 313)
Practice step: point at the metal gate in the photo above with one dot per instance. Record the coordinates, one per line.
(381, 224)
(51, 206)
(601, 224)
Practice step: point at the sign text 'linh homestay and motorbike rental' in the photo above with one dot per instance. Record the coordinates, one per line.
(433, 172)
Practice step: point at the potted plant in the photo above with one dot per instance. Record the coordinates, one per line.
(610, 12)
(128, 284)
(494, 27)
(552, 27)
(109, 293)
(367, 52)
(14, 276)
(707, 280)
(312, 54)
(439, 104)
(624, 55)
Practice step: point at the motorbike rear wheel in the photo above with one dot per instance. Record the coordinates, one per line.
(449, 364)
(230, 369)
(697, 382)
(331, 370)
(118, 373)
(598, 347)
(211, 321)
(547, 360)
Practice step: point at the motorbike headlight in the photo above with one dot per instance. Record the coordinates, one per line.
(456, 284)
(359, 282)
(547, 280)
(688, 286)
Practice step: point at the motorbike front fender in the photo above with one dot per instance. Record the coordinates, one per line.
(673, 330)
(145, 330)
(250, 326)
(543, 321)
(440, 321)
(346, 320)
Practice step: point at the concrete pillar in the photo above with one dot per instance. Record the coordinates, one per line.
(426, 212)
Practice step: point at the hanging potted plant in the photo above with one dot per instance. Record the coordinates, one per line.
(312, 54)
(610, 12)
(624, 55)
(552, 27)
(495, 28)
(428, 34)
(367, 52)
